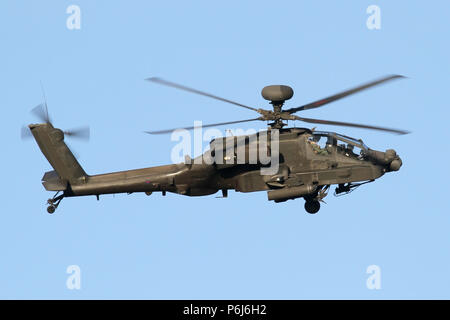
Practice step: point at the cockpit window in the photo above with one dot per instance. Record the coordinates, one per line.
(350, 150)
(323, 143)
(357, 143)
(318, 144)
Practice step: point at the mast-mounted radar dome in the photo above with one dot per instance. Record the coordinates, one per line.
(277, 93)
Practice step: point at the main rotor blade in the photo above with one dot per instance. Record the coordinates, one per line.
(348, 124)
(41, 112)
(181, 87)
(80, 133)
(203, 126)
(319, 103)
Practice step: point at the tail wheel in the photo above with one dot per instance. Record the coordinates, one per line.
(312, 206)
(51, 209)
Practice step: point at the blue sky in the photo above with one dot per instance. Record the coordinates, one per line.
(134, 246)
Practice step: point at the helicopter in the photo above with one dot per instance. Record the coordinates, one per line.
(307, 161)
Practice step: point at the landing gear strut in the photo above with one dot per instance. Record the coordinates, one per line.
(53, 203)
(312, 206)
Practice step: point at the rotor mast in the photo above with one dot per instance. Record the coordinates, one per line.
(277, 95)
(278, 122)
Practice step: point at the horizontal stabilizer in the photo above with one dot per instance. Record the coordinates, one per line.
(53, 182)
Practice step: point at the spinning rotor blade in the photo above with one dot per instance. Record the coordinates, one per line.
(203, 126)
(80, 133)
(41, 112)
(25, 133)
(319, 103)
(181, 87)
(348, 124)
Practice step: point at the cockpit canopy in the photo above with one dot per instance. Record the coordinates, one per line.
(324, 142)
(331, 136)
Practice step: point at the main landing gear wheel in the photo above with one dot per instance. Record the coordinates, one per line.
(53, 203)
(312, 206)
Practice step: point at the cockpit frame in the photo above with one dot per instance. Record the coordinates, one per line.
(355, 142)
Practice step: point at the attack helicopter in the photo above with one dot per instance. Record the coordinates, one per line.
(307, 161)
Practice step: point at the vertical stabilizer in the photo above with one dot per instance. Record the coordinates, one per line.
(51, 142)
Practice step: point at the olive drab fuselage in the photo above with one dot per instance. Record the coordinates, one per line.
(308, 163)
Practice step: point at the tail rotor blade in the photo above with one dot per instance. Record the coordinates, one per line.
(25, 133)
(82, 133)
(41, 112)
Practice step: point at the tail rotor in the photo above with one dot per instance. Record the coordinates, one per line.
(41, 112)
